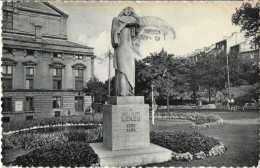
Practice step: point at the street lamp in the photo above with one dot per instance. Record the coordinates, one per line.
(152, 105)
(109, 57)
(167, 88)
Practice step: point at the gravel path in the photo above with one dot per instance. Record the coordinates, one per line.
(243, 121)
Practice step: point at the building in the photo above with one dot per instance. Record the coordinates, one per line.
(42, 72)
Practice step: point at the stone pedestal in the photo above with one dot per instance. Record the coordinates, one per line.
(126, 134)
(126, 123)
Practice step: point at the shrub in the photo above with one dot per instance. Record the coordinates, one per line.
(95, 118)
(184, 141)
(200, 120)
(66, 154)
(33, 140)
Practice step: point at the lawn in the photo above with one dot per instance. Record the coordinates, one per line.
(241, 141)
(239, 133)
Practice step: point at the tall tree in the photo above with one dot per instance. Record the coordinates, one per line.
(247, 16)
(163, 71)
(212, 72)
(96, 89)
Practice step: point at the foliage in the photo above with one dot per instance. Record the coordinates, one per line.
(242, 70)
(95, 118)
(35, 140)
(112, 86)
(197, 118)
(184, 141)
(68, 154)
(97, 90)
(247, 17)
(162, 70)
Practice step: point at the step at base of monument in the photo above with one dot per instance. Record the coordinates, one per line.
(131, 157)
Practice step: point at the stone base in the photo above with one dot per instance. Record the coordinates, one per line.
(126, 126)
(130, 157)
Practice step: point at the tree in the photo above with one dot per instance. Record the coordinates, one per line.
(212, 70)
(247, 16)
(96, 89)
(164, 72)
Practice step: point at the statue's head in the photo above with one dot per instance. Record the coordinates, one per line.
(128, 11)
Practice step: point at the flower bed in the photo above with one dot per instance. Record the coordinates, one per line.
(199, 120)
(67, 154)
(188, 145)
(208, 106)
(34, 140)
(95, 118)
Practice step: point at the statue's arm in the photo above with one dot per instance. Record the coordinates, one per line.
(115, 33)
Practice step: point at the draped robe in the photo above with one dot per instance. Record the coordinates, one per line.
(124, 55)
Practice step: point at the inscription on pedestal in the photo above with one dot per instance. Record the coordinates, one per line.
(131, 116)
(126, 126)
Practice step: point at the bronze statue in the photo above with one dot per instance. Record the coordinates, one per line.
(126, 34)
(124, 30)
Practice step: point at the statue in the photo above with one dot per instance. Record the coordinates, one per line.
(126, 41)
(124, 30)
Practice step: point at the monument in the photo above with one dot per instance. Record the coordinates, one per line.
(126, 133)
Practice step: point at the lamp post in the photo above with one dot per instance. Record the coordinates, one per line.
(228, 78)
(152, 105)
(167, 88)
(109, 57)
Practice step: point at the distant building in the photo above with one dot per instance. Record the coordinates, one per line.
(42, 72)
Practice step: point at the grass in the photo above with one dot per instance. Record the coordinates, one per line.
(241, 141)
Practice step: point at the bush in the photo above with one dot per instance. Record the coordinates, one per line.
(184, 141)
(66, 154)
(95, 118)
(34, 140)
(199, 119)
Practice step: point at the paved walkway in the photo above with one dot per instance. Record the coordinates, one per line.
(243, 121)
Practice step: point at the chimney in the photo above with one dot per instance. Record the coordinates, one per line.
(38, 33)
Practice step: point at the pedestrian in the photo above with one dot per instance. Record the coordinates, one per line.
(232, 102)
(228, 103)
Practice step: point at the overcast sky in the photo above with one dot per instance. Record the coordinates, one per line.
(197, 24)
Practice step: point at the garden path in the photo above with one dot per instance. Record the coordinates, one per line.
(252, 121)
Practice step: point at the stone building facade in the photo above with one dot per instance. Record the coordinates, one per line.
(42, 72)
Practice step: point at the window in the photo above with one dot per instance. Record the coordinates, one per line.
(79, 104)
(56, 113)
(56, 102)
(30, 52)
(29, 77)
(7, 50)
(7, 79)
(57, 78)
(5, 119)
(222, 47)
(78, 56)
(57, 55)
(79, 73)
(7, 19)
(29, 105)
(29, 117)
(6, 104)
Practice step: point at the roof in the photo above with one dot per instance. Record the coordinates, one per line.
(41, 7)
(48, 41)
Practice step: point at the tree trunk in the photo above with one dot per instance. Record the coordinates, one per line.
(167, 102)
(209, 94)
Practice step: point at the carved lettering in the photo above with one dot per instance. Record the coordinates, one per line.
(130, 128)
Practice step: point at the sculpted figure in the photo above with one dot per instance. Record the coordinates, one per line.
(123, 33)
(129, 32)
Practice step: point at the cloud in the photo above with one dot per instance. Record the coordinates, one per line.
(204, 33)
(101, 45)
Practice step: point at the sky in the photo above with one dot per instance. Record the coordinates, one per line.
(196, 24)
